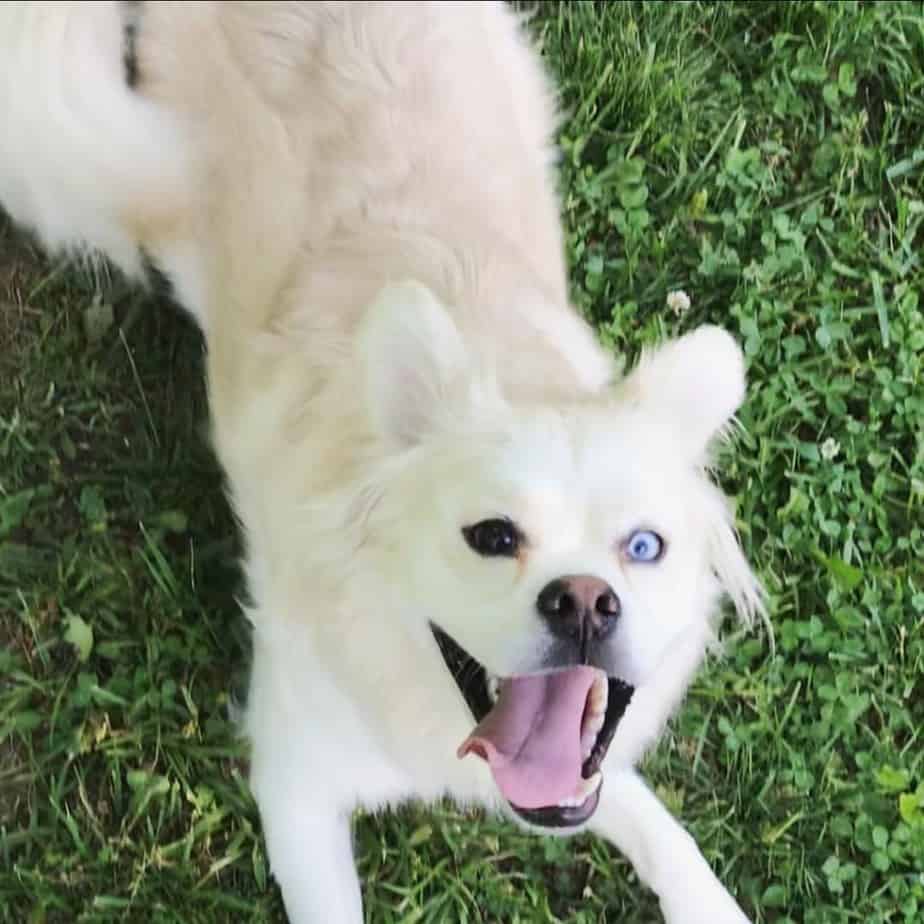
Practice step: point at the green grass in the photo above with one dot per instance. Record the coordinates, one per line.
(768, 158)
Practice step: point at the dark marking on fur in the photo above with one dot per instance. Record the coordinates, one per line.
(131, 17)
(469, 675)
(157, 281)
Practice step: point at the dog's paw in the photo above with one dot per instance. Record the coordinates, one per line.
(699, 898)
(726, 912)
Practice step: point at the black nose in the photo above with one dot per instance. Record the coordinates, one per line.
(580, 608)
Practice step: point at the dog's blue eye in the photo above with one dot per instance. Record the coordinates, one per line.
(644, 546)
(493, 538)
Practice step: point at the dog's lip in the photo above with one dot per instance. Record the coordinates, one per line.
(472, 679)
(561, 816)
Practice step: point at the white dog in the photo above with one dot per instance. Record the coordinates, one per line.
(478, 565)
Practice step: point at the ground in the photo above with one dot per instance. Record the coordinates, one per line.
(765, 158)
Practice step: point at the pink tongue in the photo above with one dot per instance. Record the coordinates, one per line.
(532, 737)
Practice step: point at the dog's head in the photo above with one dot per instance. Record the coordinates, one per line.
(558, 551)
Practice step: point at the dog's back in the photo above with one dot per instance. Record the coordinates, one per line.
(280, 162)
(84, 160)
(283, 133)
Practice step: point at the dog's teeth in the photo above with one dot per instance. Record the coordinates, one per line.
(589, 731)
(584, 789)
(599, 694)
(595, 714)
(588, 739)
(595, 722)
(493, 687)
(590, 785)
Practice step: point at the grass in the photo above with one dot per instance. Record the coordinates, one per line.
(768, 158)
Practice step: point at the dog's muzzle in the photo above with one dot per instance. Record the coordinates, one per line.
(544, 735)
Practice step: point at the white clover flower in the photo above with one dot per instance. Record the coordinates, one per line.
(830, 448)
(678, 301)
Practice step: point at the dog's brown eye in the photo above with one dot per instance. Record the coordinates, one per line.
(493, 538)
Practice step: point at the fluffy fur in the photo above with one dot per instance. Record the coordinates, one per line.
(356, 203)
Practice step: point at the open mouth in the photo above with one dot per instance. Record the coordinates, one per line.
(543, 735)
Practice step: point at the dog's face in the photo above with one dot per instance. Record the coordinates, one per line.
(558, 552)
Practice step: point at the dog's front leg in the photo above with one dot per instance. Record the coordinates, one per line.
(311, 856)
(664, 855)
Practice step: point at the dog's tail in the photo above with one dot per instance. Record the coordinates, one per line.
(86, 162)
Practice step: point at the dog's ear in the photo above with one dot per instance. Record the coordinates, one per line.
(694, 384)
(413, 358)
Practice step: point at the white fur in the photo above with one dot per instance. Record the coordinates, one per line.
(356, 203)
